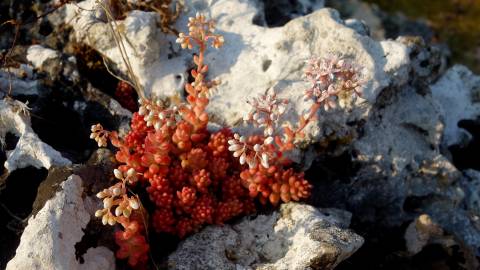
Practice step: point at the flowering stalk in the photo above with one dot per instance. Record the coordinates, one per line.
(266, 177)
(187, 172)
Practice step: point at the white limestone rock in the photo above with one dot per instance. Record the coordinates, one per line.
(458, 96)
(38, 55)
(30, 150)
(401, 134)
(254, 58)
(48, 241)
(296, 237)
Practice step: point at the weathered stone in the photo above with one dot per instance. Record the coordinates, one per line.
(48, 240)
(30, 150)
(457, 93)
(297, 237)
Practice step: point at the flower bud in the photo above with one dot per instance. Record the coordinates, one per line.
(243, 159)
(99, 213)
(118, 211)
(105, 219)
(111, 221)
(134, 204)
(116, 191)
(131, 172)
(234, 147)
(101, 195)
(118, 174)
(127, 212)
(107, 203)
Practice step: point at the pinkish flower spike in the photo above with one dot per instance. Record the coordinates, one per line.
(265, 112)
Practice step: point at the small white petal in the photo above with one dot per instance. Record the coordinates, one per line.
(234, 147)
(252, 163)
(268, 140)
(256, 147)
(265, 163)
(264, 157)
(269, 131)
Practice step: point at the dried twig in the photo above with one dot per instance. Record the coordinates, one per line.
(121, 46)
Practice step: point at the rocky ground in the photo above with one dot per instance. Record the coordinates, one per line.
(396, 176)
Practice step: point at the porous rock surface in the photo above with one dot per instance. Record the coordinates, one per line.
(298, 236)
(458, 94)
(403, 170)
(253, 59)
(50, 236)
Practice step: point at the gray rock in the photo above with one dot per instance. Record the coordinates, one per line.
(400, 161)
(297, 237)
(458, 95)
(18, 81)
(423, 231)
(471, 184)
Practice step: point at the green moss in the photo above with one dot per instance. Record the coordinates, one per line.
(457, 23)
